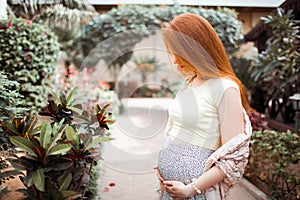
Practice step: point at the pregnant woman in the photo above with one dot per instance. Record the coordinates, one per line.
(207, 146)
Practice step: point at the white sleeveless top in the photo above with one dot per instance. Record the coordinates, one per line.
(194, 113)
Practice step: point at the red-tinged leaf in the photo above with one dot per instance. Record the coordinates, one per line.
(59, 149)
(10, 129)
(30, 125)
(40, 151)
(39, 179)
(23, 144)
(16, 122)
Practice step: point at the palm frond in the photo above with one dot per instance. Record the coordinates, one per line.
(60, 16)
(33, 7)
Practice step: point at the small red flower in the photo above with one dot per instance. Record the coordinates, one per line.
(106, 189)
(28, 22)
(9, 24)
(17, 28)
(112, 184)
(28, 59)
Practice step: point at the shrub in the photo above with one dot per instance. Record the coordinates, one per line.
(10, 98)
(58, 154)
(28, 54)
(274, 163)
(277, 68)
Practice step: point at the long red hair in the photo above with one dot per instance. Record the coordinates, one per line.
(200, 31)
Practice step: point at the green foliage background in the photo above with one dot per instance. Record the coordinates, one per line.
(28, 52)
(143, 21)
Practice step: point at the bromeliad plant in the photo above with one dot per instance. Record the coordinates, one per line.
(58, 156)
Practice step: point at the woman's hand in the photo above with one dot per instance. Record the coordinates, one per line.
(160, 178)
(177, 189)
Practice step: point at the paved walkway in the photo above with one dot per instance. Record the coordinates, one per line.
(126, 172)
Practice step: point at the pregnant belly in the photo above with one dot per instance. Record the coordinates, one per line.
(182, 162)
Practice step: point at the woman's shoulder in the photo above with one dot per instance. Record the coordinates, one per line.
(223, 83)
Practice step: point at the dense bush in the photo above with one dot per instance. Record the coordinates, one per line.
(28, 54)
(274, 163)
(10, 99)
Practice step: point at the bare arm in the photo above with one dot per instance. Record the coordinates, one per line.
(231, 123)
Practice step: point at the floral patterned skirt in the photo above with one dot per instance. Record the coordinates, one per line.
(182, 162)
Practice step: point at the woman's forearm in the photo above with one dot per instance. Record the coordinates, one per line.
(210, 178)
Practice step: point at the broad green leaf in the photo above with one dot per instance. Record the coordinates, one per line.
(35, 131)
(77, 110)
(28, 180)
(69, 194)
(13, 129)
(71, 95)
(65, 182)
(54, 140)
(45, 136)
(97, 141)
(87, 141)
(24, 144)
(70, 133)
(59, 149)
(73, 136)
(39, 179)
(77, 101)
(58, 126)
(56, 97)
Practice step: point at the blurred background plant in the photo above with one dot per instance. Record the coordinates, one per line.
(10, 99)
(276, 70)
(137, 22)
(66, 18)
(28, 54)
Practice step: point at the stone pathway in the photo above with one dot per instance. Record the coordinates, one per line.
(126, 172)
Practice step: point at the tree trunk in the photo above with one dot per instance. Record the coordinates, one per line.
(3, 9)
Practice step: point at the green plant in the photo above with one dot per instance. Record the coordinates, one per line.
(59, 156)
(28, 54)
(121, 28)
(277, 68)
(242, 69)
(147, 65)
(274, 163)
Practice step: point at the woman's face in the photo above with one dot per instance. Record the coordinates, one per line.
(181, 66)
